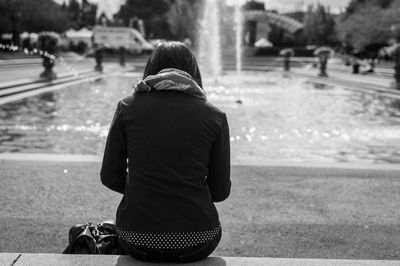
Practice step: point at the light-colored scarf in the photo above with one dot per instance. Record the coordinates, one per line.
(171, 79)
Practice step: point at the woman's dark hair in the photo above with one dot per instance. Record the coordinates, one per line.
(173, 55)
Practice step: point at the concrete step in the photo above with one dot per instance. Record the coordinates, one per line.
(23, 82)
(18, 66)
(365, 84)
(44, 89)
(16, 90)
(379, 72)
(28, 259)
(41, 84)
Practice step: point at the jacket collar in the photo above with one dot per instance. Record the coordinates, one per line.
(171, 79)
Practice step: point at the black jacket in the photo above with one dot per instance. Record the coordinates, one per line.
(177, 151)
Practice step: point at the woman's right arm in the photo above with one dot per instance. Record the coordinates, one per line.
(113, 169)
(219, 168)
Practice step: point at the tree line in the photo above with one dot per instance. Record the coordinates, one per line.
(19, 16)
(363, 24)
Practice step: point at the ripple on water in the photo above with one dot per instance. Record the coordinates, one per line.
(271, 116)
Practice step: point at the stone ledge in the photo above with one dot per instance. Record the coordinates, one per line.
(239, 161)
(25, 259)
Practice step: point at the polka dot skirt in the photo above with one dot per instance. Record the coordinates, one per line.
(171, 240)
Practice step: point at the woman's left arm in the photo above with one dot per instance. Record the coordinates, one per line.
(113, 169)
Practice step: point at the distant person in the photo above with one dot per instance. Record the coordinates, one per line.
(323, 53)
(122, 55)
(356, 62)
(168, 153)
(287, 53)
(394, 52)
(370, 66)
(323, 60)
(98, 55)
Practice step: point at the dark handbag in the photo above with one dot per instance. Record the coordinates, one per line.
(93, 239)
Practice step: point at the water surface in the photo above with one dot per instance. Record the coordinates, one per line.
(271, 116)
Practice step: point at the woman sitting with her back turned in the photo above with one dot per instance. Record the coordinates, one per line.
(168, 153)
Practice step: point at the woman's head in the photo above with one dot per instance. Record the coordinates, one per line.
(173, 55)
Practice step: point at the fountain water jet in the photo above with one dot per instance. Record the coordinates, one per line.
(210, 42)
(238, 31)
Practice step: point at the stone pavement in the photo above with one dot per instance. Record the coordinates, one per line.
(372, 79)
(28, 259)
(32, 72)
(25, 69)
(290, 211)
(338, 73)
(370, 83)
(19, 77)
(12, 69)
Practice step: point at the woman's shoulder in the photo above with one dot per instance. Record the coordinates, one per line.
(212, 108)
(127, 101)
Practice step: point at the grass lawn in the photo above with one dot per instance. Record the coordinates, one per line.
(272, 211)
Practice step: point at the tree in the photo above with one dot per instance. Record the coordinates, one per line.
(361, 31)
(32, 16)
(182, 17)
(88, 14)
(81, 15)
(74, 11)
(163, 18)
(355, 5)
(253, 5)
(319, 26)
(393, 18)
(152, 12)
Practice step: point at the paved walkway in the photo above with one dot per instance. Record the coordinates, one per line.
(19, 77)
(360, 82)
(371, 79)
(16, 259)
(369, 83)
(33, 72)
(292, 211)
(22, 69)
(48, 157)
(338, 73)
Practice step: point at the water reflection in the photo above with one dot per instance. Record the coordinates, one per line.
(396, 106)
(270, 116)
(321, 86)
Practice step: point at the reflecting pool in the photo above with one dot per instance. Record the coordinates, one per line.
(271, 116)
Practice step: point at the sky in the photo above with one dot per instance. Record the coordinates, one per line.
(112, 6)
